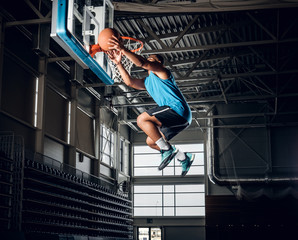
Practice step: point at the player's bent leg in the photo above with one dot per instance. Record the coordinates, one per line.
(149, 124)
(169, 123)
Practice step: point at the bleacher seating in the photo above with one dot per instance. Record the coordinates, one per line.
(56, 201)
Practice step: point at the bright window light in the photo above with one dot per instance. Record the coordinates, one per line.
(36, 102)
(147, 160)
(68, 122)
(169, 200)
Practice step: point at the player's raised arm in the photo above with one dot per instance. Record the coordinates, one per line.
(153, 65)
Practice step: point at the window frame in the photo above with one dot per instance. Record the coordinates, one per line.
(111, 139)
(168, 204)
(162, 207)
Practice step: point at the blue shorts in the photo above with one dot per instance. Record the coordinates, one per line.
(172, 122)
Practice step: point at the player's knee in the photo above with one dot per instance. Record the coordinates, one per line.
(140, 120)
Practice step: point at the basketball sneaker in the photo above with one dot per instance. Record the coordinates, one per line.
(167, 156)
(186, 163)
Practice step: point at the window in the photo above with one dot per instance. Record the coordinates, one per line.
(124, 155)
(166, 199)
(36, 102)
(169, 200)
(56, 110)
(107, 146)
(149, 233)
(146, 161)
(143, 233)
(85, 132)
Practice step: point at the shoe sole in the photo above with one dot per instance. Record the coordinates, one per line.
(191, 161)
(166, 162)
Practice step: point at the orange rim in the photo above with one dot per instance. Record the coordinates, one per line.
(136, 40)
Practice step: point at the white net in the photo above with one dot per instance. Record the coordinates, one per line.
(127, 64)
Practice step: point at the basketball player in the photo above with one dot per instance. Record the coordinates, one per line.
(172, 115)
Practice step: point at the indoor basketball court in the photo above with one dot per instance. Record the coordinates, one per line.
(75, 163)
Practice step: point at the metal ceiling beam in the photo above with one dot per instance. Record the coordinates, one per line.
(203, 55)
(195, 18)
(151, 33)
(174, 35)
(217, 46)
(254, 51)
(34, 9)
(261, 26)
(288, 29)
(28, 22)
(42, 19)
(199, 6)
(218, 57)
(215, 99)
(244, 115)
(255, 83)
(264, 125)
(202, 79)
(144, 93)
(57, 59)
(231, 76)
(224, 90)
(196, 31)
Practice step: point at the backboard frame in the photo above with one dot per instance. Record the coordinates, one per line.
(65, 38)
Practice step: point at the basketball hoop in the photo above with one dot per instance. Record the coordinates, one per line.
(132, 44)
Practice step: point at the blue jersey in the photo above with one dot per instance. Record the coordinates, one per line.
(166, 93)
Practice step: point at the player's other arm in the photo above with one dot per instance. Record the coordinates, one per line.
(136, 83)
(129, 81)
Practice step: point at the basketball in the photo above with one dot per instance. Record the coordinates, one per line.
(105, 35)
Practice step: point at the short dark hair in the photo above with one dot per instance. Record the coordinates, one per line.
(160, 58)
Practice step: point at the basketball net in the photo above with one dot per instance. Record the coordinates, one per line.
(131, 44)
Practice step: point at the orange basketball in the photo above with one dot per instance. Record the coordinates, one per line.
(105, 35)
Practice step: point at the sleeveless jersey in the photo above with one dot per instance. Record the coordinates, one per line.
(165, 92)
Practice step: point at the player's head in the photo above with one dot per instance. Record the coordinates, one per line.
(155, 58)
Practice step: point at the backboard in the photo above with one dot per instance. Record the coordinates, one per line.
(76, 25)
